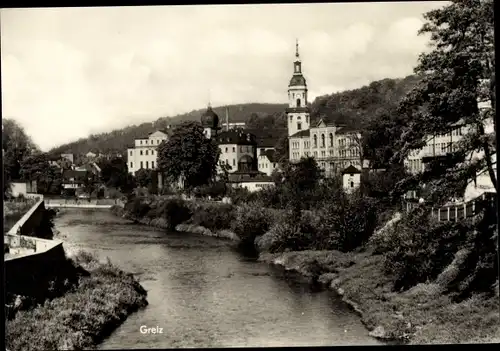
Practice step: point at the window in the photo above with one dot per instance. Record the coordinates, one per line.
(299, 126)
(298, 102)
(146, 152)
(131, 152)
(158, 141)
(315, 140)
(352, 184)
(141, 152)
(322, 140)
(291, 118)
(141, 164)
(234, 162)
(147, 164)
(131, 164)
(331, 140)
(226, 149)
(234, 149)
(153, 164)
(323, 153)
(152, 152)
(140, 142)
(315, 153)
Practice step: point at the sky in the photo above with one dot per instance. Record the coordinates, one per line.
(70, 72)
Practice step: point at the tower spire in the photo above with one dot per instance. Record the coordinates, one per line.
(297, 48)
(209, 102)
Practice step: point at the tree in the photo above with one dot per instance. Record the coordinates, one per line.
(299, 180)
(456, 76)
(114, 173)
(37, 167)
(282, 150)
(17, 145)
(144, 177)
(189, 156)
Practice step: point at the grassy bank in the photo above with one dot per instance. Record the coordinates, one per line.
(413, 280)
(100, 301)
(420, 315)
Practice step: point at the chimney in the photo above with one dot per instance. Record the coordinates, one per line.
(227, 119)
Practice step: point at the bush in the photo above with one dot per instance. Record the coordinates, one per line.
(137, 208)
(214, 216)
(347, 223)
(251, 221)
(174, 211)
(418, 248)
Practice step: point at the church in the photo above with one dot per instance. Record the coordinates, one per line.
(335, 147)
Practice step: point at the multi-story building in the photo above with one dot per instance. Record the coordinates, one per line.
(144, 152)
(436, 146)
(334, 147)
(267, 162)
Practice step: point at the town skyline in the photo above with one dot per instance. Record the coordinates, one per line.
(131, 66)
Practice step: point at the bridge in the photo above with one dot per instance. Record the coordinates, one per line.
(83, 203)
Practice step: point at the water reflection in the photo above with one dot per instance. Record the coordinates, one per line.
(203, 294)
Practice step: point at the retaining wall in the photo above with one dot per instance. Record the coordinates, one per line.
(33, 262)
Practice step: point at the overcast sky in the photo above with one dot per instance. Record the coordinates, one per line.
(69, 72)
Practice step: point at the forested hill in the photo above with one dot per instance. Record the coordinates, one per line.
(118, 140)
(357, 106)
(351, 107)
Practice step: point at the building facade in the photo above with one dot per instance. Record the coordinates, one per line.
(335, 147)
(144, 152)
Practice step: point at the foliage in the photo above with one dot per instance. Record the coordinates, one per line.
(144, 177)
(114, 173)
(215, 190)
(174, 211)
(137, 208)
(276, 120)
(189, 155)
(37, 167)
(456, 74)
(17, 145)
(282, 150)
(251, 221)
(80, 318)
(214, 216)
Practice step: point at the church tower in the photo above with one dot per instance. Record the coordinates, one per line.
(210, 122)
(297, 111)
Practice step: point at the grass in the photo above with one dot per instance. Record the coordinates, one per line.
(82, 317)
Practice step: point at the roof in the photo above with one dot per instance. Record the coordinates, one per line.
(346, 130)
(236, 136)
(351, 169)
(72, 173)
(270, 154)
(267, 137)
(210, 119)
(301, 134)
(165, 131)
(297, 80)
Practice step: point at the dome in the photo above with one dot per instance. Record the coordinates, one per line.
(297, 79)
(209, 119)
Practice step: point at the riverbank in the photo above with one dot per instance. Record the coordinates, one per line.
(101, 300)
(421, 315)
(410, 282)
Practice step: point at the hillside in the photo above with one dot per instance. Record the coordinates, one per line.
(353, 107)
(117, 140)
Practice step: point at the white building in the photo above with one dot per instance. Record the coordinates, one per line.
(351, 179)
(144, 153)
(267, 162)
(333, 146)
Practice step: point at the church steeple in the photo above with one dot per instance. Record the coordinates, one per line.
(297, 111)
(297, 63)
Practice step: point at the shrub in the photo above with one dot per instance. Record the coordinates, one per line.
(174, 211)
(418, 248)
(346, 223)
(251, 221)
(214, 216)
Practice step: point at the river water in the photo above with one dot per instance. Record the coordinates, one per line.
(204, 294)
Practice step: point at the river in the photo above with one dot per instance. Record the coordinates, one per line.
(204, 294)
